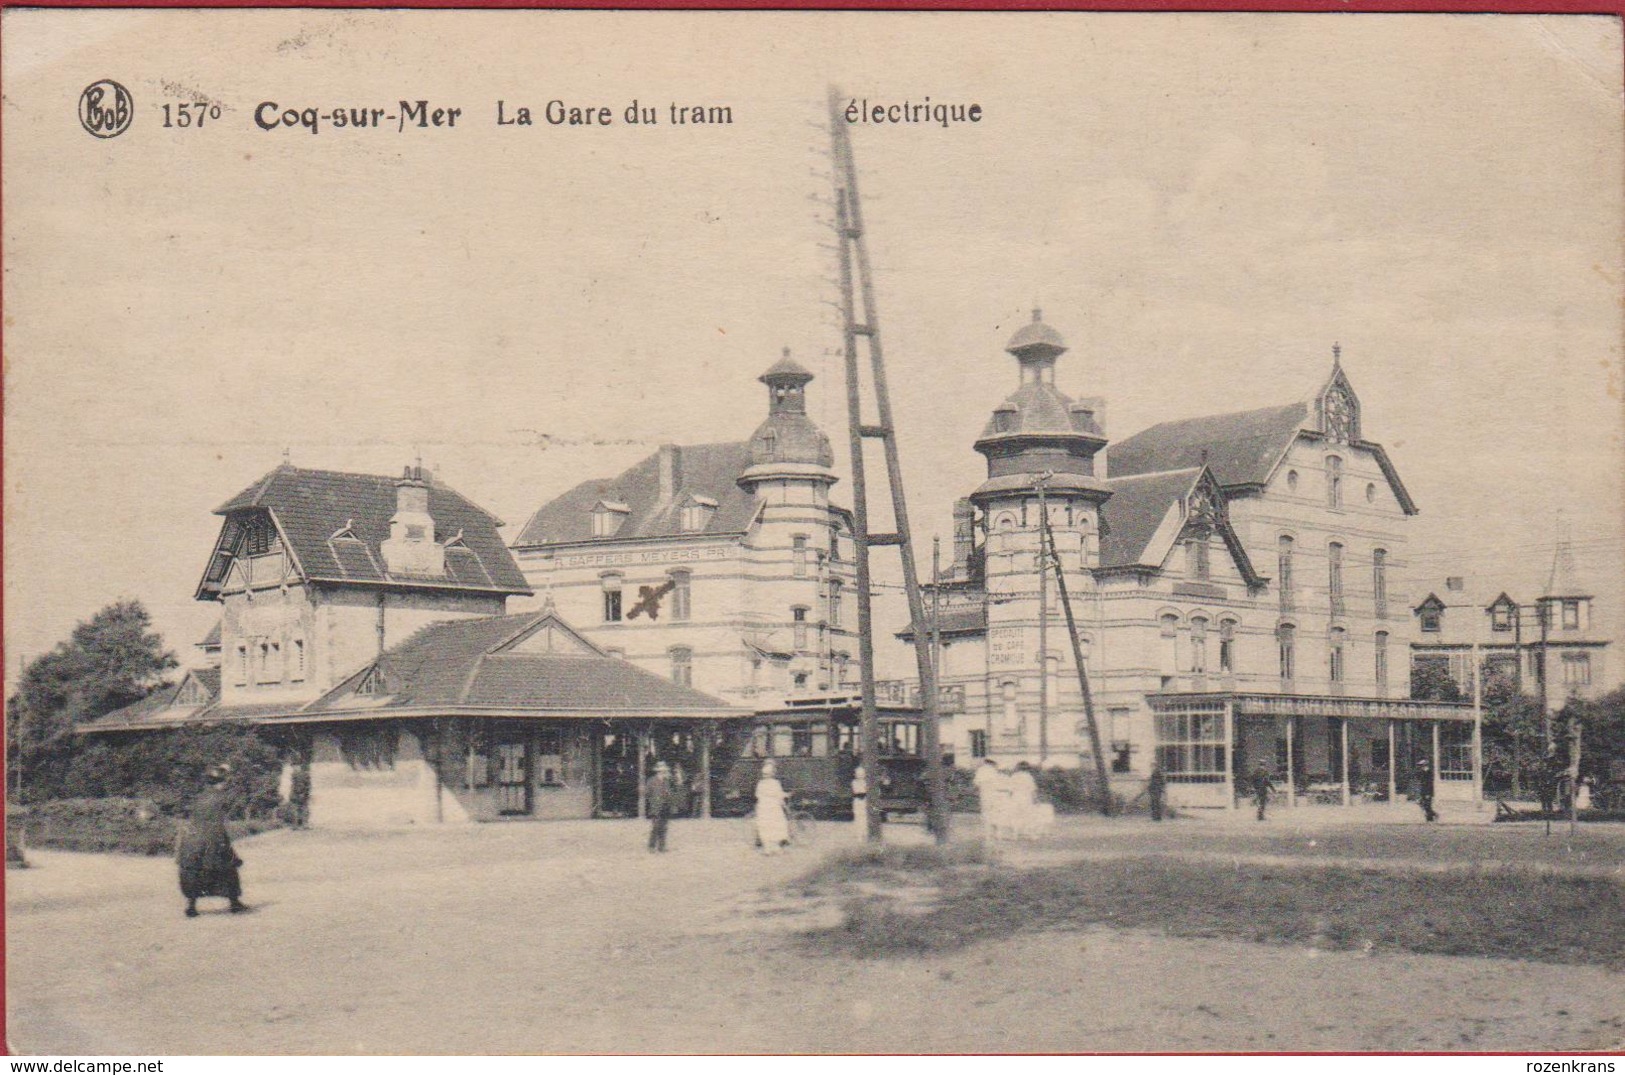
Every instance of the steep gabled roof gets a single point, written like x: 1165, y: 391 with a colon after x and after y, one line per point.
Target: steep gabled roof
x: 491, y: 662
x: 1135, y: 511
x: 708, y: 470
x: 1241, y: 448
x: 335, y: 524
x: 1140, y: 504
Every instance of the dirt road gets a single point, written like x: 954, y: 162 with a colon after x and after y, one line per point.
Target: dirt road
x: 568, y: 937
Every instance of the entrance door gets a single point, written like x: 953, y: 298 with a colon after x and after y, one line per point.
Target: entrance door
x: 513, y: 778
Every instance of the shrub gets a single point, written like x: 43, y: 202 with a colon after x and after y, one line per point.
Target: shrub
x: 124, y: 825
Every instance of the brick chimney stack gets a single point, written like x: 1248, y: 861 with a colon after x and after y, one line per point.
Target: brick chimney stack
x: 671, y: 471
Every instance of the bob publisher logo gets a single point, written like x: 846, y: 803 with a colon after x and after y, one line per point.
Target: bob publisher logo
x: 106, y: 109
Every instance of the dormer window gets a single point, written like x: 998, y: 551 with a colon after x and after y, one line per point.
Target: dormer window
x: 697, y: 514
x: 607, y: 518
x: 1501, y: 618
x: 1571, y: 615
x: 1432, y: 620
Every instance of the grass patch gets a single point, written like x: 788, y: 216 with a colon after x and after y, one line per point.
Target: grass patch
x: 1510, y: 913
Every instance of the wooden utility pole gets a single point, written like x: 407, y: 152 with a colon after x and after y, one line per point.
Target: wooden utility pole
x: 1043, y: 624
x: 857, y: 289
x: 1047, y: 549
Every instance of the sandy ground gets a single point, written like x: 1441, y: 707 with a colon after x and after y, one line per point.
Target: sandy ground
x: 569, y: 937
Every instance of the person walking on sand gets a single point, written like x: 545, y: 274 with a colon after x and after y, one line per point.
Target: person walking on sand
x: 1424, y: 789
x: 1156, y: 790
x: 772, y: 823
x: 1262, y: 786
x: 208, y: 863
x: 662, y: 798
x: 860, y: 803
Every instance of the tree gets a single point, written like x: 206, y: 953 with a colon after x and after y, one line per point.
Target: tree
x: 1603, y: 745
x: 1514, y: 735
x: 110, y: 661
x: 1433, y: 683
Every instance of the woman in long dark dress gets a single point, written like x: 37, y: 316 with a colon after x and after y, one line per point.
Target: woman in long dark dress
x: 208, y: 864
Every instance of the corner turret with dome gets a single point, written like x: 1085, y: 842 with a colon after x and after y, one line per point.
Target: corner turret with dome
x: 787, y: 443
x: 1039, y: 429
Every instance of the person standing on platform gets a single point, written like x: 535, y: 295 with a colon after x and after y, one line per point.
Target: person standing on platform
x: 1262, y: 786
x: 662, y: 798
x: 772, y: 823
x: 208, y: 863
x: 1156, y: 790
x: 1424, y: 789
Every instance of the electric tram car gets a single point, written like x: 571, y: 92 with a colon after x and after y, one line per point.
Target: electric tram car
x: 815, y: 752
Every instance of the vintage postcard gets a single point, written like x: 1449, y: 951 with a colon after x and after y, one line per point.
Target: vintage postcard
x: 812, y: 532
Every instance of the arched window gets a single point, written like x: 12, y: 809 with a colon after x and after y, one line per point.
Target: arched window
x: 1334, y: 482
x: 1227, y: 646
x: 1286, y: 642
x: 682, y: 666
x: 1334, y: 576
x: 1168, y: 629
x: 1011, y: 712
x: 612, y: 597
x: 1283, y: 570
x: 1198, y: 644
x: 835, y: 604
x: 1379, y: 582
x: 798, y: 616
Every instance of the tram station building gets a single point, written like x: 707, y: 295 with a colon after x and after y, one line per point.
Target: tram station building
x: 1235, y: 584
x: 363, y: 626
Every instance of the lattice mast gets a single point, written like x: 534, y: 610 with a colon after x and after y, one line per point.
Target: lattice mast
x: 857, y: 288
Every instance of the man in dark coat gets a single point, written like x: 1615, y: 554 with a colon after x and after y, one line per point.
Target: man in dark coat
x: 1548, y: 775
x: 1156, y: 790
x: 208, y: 863
x: 1424, y: 789
x: 662, y: 800
x: 1262, y: 786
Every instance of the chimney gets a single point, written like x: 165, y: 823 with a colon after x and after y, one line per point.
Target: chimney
x: 964, y: 536
x: 671, y: 471
x: 411, y: 548
x: 412, y: 493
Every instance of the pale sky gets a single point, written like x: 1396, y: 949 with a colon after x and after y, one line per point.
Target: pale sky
x: 1202, y: 204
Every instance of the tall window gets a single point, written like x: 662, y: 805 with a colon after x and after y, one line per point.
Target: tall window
x: 1334, y: 576
x: 1334, y: 655
x: 682, y: 666
x: 835, y: 604
x: 1197, y: 563
x: 1168, y: 628
x: 241, y: 678
x: 297, y: 661
x: 799, y: 617
x: 1286, y: 642
x: 1011, y: 712
x: 1576, y: 669
x: 612, y: 598
x: 1227, y: 645
x: 1334, y: 482
x: 680, y: 595
x: 1198, y: 644
x: 799, y: 547
x: 1379, y: 582
x: 1283, y: 570
x: 1381, y: 666
x: 1571, y: 615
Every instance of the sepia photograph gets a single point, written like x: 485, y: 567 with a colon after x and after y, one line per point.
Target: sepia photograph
x: 792, y: 532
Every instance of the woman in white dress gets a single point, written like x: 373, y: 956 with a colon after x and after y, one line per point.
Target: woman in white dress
x: 772, y: 824
x: 1023, y: 822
